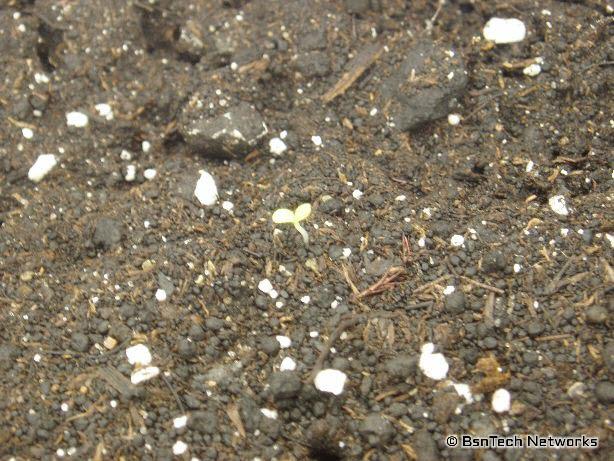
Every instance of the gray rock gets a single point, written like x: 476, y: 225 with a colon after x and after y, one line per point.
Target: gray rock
x: 196, y: 333
x: 535, y: 328
x: 269, y: 345
x: 424, y: 86
x: 376, y: 429
x: 80, y: 342
x: 186, y: 348
x: 401, y: 367
x: 214, y: 324
x: 230, y: 134
x: 357, y: 6
x: 166, y: 284
x: 597, y: 314
x: 494, y: 261
x: 455, y: 302
x: 313, y: 64
x: 604, y: 391
x: 8, y: 353
x: 204, y: 422
x: 285, y: 385
x: 108, y: 232
x: 425, y: 446
x: 490, y: 342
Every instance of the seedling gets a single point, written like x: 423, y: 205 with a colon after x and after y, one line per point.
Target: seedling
x: 285, y: 216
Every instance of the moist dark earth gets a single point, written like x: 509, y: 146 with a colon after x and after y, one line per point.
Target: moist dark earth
x: 491, y: 238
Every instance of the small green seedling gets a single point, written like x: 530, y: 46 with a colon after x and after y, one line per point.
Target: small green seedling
x: 285, y: 216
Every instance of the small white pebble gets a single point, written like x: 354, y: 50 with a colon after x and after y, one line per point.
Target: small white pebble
x: 464, y: 390
x: 180, y: 421
x: 558, y: 204
x: 532, y: 70
x: 284, y: 341
x: 454, y: 119
x: 130, y: 173
x: 144, y: 374
x: 179, y: 447
x: 146, y: 146
x: 27, y: 133
x: 39, y: 78
x: 138, y: 355
x: 125, y: 155
x: 449, y: 290
x: 277, y: 146
x: 77, y: 119
x: 529, y: 166
x: 265, y: 286
x: 43, y: 165
x: 373, y: 112
x: 317, y: 140
x: 357, y: 194
x: 271, y: 414
x: 400, y: 198
x: 113, y: 403
x: 504, y: 30
x: 104, y: 110
x: 334, y: 304
x: 206, y: 189
x: 64, y: 407
x: 287, y: 364
x: 314, y: 334
x: 228, y: 206
x: 160, y: 295
x: 433, y: 365
x: 517, y: 268
x: 305, y: 299
x: 331, y: 381
x: 37, y: 358
x: 501, y: 400
x: 150, y: 173
x: 457, y: 240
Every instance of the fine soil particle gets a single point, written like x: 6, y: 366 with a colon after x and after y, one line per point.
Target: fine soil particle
x: 461, y: 227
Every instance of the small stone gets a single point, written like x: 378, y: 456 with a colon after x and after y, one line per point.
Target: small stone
x: 80, y: 342
x: 376, y: 429
x: 443, y: 79
x: 196, y: 333
x: 186, y: 348
x: 455, y: 303
x: 535, y: 328
x: 597, y: 314
x: 401, y: 367
x: 214, y: 324
x: 604, y: 391
x: 109, y: 342
x: 504, y: 30
x: 231, y: 134
x: 285, y: 385
x: 108, y: 232
x: 424, y: 445
x: 490, y: 342
x: 576, y: 390
x: 43, y: 165
x: 269, y: 345
x: 494, y: 261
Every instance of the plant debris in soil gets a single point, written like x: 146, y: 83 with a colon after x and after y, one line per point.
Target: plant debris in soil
x: 457, y: 276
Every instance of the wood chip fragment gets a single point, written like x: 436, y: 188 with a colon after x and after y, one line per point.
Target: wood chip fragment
x: 361, y: 62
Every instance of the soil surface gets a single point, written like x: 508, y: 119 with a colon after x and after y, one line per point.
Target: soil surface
x: 488, y: 233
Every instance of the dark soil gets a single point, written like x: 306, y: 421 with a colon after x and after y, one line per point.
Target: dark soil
x: 84, y: 252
